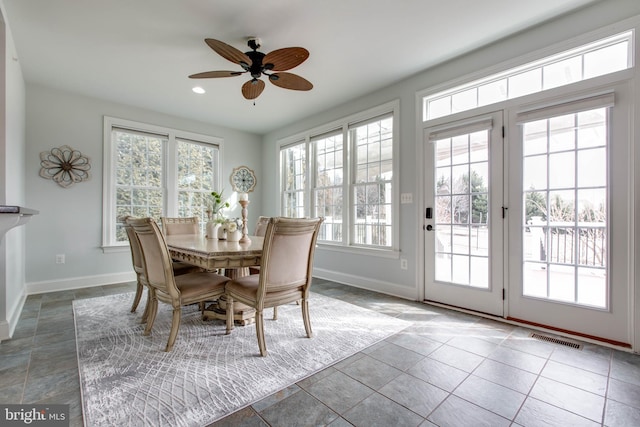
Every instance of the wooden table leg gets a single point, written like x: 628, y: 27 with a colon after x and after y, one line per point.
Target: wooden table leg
x: 242, y: 314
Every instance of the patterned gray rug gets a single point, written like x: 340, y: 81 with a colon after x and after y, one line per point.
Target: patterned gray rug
x: 128, y: 380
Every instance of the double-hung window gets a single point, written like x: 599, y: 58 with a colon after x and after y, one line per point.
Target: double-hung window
x: 343, y: 172
x: 150, y: 171
x: 372, y: 205
x: 328, y: 185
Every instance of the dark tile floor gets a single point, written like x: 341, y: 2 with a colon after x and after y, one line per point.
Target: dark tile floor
x: 447, y: 369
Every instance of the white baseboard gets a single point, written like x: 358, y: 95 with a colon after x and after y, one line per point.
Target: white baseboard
x: 383, y: 287
x: 79, y: 282
x: 9, y: 325
x: 4, y: 330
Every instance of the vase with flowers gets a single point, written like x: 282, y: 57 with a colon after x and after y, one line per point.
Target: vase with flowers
x: 214, y: 214
x: 232, y: 229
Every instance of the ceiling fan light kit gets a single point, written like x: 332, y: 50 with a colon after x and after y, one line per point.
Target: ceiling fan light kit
x: 258, y: 64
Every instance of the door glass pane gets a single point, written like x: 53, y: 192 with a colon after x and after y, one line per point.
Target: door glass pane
x: 535, y: 173
x: 565, y: 224
x: 462, y: 209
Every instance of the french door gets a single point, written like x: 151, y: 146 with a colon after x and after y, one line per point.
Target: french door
x: 535, y: 226
x: 463, y: 216
x: 569, y: 215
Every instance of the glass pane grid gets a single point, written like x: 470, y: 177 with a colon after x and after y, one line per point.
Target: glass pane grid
x: 294, y: 180
x: 196, y: 179
x: 565, y: 214
x: 591, y: 60
x: 328, y: 203
x: 372, y: 190
x: 294, y: 204
x: 139, y: 184
x: 462, y: 210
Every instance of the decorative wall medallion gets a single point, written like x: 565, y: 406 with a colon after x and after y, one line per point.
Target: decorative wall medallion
x: 243, y: 179
x: 65, y: 166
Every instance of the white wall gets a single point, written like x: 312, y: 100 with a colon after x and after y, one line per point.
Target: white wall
x: 70, y: 220
x: 385, y: 274
x: 12, y: 186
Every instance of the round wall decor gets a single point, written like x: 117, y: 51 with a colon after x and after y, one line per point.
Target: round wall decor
x: 243, y: 179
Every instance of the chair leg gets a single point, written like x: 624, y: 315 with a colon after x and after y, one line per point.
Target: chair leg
x: 275, y: 312
x: 136, y: 298
x: 260, y: 333
x: 306, y: 318
x: 229, y: 308
x: 153, y: 310
x: 145, y: 314
x: 175, y: 324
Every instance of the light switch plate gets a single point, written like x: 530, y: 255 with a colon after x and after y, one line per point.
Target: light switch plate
x: 406, y: 198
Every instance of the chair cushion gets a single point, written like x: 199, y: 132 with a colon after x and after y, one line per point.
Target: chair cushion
x: 194, y: 284
x: 247, y: 288
x: 180, y: 268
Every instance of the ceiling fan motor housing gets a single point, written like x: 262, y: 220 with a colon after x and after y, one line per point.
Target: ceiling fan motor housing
x: 256, y: 67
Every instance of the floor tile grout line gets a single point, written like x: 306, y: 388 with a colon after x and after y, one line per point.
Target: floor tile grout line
x: 33, y: 342
x: 539, y: 375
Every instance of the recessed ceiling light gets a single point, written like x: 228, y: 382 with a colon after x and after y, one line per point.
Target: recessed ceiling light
x: 198, y: 90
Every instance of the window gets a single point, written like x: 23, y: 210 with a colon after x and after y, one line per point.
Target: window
x: 601, y: 57
x: 350, y: 179
x: 152, y: 172
x: 328, y: 152
x: 197, y: 168
x: 372, y: 204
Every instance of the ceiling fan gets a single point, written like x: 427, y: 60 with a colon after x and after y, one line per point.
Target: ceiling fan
x: 257, y: 64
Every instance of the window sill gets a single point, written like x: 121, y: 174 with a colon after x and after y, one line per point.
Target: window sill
x: 360, y: 250
x: 115, y: 249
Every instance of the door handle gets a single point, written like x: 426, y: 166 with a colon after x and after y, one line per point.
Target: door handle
x: 429, y: 227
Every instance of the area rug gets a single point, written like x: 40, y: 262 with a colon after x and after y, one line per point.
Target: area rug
x: 127, y: 379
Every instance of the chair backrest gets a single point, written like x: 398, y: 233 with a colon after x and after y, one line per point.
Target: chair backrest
x: 189, y: 225
x: 261, y: 226
x: 287, y: 255
x: 155, y: 256
x: 136, y: 251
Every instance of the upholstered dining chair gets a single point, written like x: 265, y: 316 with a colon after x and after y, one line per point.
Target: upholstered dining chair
x: 141, y: 282
x: 285, y: 273
x: 163, y: 284
x: 187, y: 225
x: 260, y: 230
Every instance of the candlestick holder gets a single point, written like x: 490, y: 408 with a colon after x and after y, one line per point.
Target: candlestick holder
x: 244, y: 238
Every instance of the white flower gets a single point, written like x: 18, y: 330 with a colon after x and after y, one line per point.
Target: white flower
x: 232, y: 226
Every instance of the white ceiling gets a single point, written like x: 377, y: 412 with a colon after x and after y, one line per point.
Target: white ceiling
x: 140, y: 52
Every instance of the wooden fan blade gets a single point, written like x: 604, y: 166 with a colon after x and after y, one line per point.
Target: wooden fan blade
x: 290, y: 81
x: 214, y: 74
x: 252, y: 89
x: 285, y: 58
x: 228, y: 52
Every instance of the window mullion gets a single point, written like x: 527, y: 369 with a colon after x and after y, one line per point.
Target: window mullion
x: 348, y: 160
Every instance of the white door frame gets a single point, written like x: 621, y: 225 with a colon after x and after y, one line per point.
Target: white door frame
x: 627, y: 77
x: 484, y: 300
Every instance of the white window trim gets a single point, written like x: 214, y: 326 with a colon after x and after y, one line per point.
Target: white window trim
x: 108, y: 181
x: 629, y: 24
x: 393, y: 108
